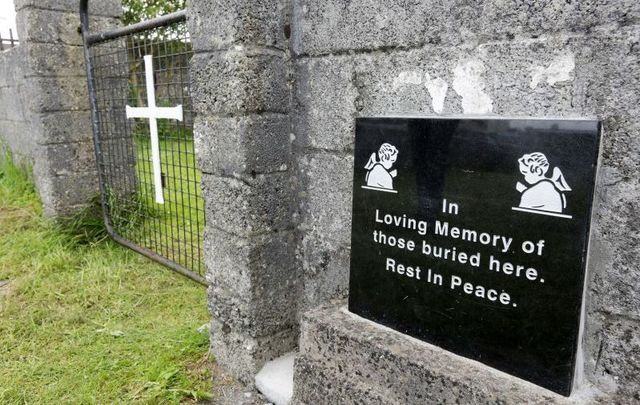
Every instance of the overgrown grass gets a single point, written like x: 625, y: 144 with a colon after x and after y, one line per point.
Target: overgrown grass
x: 83, y: 320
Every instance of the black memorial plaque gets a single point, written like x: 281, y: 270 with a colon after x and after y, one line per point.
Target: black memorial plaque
x: 472, y: 235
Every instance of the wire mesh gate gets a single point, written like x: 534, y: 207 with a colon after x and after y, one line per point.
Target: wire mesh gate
x: 142, y: 120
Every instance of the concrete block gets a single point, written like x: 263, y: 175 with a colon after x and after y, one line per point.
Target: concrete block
x: 13, y: 100
x: 64, y: 127
x: 111, y: 8
x: 408, y: 82
x: 254, y: 281
x: 614, y: 260
x: 619, y: 357
x: 326, y: 98
x: 52, y: 94
x: 243, y: 356
x: 325, y: 265
x: 15, y: 136
x: 238, y: 82
x: 248, y: 207
x: 65, y: 159
x: 63, y: 195
x: 58, y: 27
x: 328, y: 181
x: 336, y: 27
x: 11, y: 67
x: 223, y: 24
x: 340, y: 350
x: 243, y: 145
x: 57, y: 60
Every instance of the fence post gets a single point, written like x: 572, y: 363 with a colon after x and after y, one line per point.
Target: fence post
x: 242, y: 131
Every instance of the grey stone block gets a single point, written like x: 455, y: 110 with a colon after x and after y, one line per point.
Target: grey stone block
x: 243, y: 356
x: 618, y: 357
x: 65, y: 159
x: 325, y: 197
x: 328, y: 181
x: 64, y: 126
x: 53, y: 94
x: 12, y: 62
x: 48, y: 60
x: 334, y: 26
x: 63, y: 195
x: 254, y: 281
x: 221, y: 24
x: 408, y: 82
x: 243, y: 145
x: 238, y: 82
x: 344, y: 350
x: 248, y: 207
x: 326, y: 97
x: 57, y: 27
x: 112, y: 8
x: 325, y: 266
x: 12, y: 98
x: 615, y: 259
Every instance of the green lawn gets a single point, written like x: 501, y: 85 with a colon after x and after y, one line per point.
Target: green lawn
x: 83, y: 320
x: 173, y: 229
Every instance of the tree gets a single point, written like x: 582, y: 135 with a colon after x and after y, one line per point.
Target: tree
x: 141, y: 10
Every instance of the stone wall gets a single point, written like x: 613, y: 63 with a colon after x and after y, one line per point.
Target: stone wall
x: 14, y: 125
x: 44, y: 105
x: 432, y: 57
x: 277, y: 86
x: 241, y: 93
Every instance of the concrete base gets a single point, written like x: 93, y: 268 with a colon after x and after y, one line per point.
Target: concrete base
x: 347, y: 359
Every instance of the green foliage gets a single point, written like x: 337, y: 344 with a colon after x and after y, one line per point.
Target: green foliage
x: 141, y: 10
x: 84, y: 320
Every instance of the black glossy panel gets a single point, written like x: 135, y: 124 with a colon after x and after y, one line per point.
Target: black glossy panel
x: 501, y: 280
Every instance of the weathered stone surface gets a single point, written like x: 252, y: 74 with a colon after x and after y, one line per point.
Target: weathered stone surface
x: 336, y: 346
x: 51, y: 94
x: 254, y: 281
x: 243, y: 145
x: 248, y: 207
x: 325, y: 199
x: 326, y: 97
x: 38, y: 26
x: 334, y: 26
x: 65, y: 159
x: 239, y: 82
x: 57, y: 60
x: 242, y: 355
x: 64, y: 126
x: 327, y: 195
x: 112, y: 8
x: 63, y: 195
x: 43, y: 95
x: 221, y: 24
x: 11, y: 65
x: 326, y: 271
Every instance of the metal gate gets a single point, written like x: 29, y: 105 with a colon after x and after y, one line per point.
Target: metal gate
x: 142, y: 119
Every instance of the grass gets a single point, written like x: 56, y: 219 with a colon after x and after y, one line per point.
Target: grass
x: 84, y: 320
x: 173, y: 229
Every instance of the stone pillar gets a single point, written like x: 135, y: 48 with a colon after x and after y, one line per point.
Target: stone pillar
x: 241, y: 96
x: 57, y: 104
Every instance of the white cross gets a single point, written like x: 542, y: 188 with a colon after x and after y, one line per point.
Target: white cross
x: 153, y: 113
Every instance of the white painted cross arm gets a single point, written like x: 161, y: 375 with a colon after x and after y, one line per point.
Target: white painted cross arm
x: 170, y: 113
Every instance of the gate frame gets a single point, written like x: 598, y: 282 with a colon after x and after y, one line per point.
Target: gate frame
x: 89, y: 39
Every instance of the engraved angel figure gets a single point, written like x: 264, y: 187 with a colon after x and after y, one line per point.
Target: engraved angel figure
x: 379, y: 176
x: 542, y: 193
